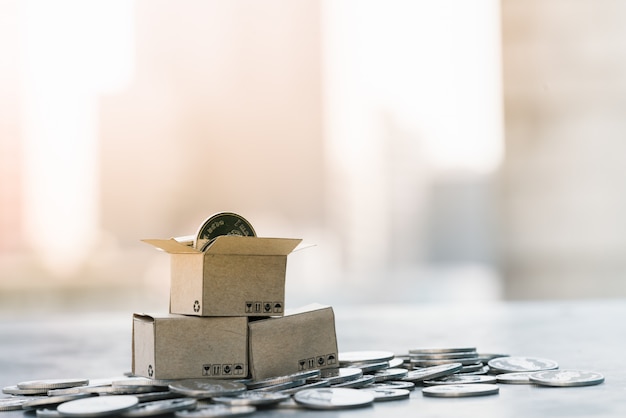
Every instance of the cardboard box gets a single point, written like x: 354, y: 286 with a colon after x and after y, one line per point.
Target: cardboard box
x: 169, y: 346
x: 235, y: 276
x: 302, y: 339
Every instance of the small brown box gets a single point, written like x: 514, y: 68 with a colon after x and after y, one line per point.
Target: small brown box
x: 302, y: 339
x: 169, y: 346
x: 235, y: 276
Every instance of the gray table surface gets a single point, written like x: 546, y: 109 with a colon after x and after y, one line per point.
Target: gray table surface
x: 588, y: 335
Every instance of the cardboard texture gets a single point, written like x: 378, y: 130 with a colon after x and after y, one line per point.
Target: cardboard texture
x: 300, y: 340
x: 235, y: 276
x: 169, y: 346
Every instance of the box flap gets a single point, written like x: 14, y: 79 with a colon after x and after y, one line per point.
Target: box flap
x: 171, y: 246
x: 234, y: 244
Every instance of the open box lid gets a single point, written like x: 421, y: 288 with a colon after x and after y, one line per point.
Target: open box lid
x: 232, y: 245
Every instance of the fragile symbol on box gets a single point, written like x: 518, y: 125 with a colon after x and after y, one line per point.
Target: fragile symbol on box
x: 222, y: 369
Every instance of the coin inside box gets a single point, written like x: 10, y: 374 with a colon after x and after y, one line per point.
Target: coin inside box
x: 234, y: 276
x: 170, y: 346
x: 302, y: 339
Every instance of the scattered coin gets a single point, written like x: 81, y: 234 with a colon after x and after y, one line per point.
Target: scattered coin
x: 97, y: 406
x: 382, y: 394
x: 282, y: 386
x: 517, y: 378
x: 370, y: 367
x: 217, y: 410
x: 350, y: 357
x: 459, y: 391
x: 390, y: 374
x: 363, y: 381
x: 14, y: 390
x: 392, y: 384
x: 433, y: 372
x: 521, y: 364
x: 340, y: 375
x: 333, y: 398
x: 395, y: 362
x: 442, y: 350
x: 154, y: 408
x: 309, y: 385
x: 458, y: 379
x: 428, y: 363
x: 444, y: 356
x: 566, y: 378
x: 52, y: 384
x: 271, y: 381
x: 53, y: 400
x: 206, y: 388
x: 253, y: 398
x: 223, y: 223
x: 141, y: 381
x: 12, y: 404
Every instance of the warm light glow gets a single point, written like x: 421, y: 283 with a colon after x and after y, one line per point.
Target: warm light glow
x: 72, y: 52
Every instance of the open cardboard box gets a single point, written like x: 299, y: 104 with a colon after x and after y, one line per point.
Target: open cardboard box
x: 302, y: 339
x: 169, y: 346
x: 234, y: 276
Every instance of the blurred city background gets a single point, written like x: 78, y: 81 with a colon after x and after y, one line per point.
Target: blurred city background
x: 449, y: 151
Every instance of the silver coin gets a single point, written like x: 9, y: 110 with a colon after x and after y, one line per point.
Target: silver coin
x: 445, y: 356
x: 206, y: 388
x: 342, y: 374
x: 442, y: 350
x: 53, y: 400
x: 98, y: 406
x: 157, y: 396
x: 518, y: 378
x: 370, y: 367
x: 120, y: 390
x: 471, y: 368
x: 282, y: 386
x: 433, y: 372
x: 308, y: 385
x: 566, y: 378
x: 382, y: 394
x: 396, y: 362
x: 154, y: 408
x: 393, y: 384
x: 485, y: 357
x: 14, y: 390
x: 12, y: 404
x: 254, y: 398
x: 52, y: 383
x: 363, y: 381
x: 217, y: 410
x: 428, y: 363
x: 459, y: 391
x: 333, y: 398
x: 521, y: 364
x: 142, y: 381
x: 271, y: 381
x: 459, y: 379
x: 349, y: 357
x: 390, y: 374
x: 223, y: 223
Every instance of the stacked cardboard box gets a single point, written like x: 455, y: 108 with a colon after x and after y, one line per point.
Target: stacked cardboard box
x: 227, y: 318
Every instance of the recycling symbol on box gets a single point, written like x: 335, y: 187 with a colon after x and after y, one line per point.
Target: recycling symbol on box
x: 150, y: 370
x: 196, y: 306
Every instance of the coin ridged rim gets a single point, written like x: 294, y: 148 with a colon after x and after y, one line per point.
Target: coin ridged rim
x: 432, y: 372
x: 442, y: 350
x: 14, y: 390
x: 48, y: 384
x: 253, y: 397
x: 12, y: 404
x: 390, y: 374
x: 361, y: 382
x: 340, y: 375
x: 516, y: 378
x: 206, y: 388
x: 53, y: 400
x: 547, y: 378
x: 507, y: 364
x: 333, y: 398
x: 462, y: 379
x: 461, y: 391
x: 393, y: 384
x: 271, y: 381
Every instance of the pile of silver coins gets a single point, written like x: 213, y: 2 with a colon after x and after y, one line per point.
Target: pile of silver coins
x: 364, y: 377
